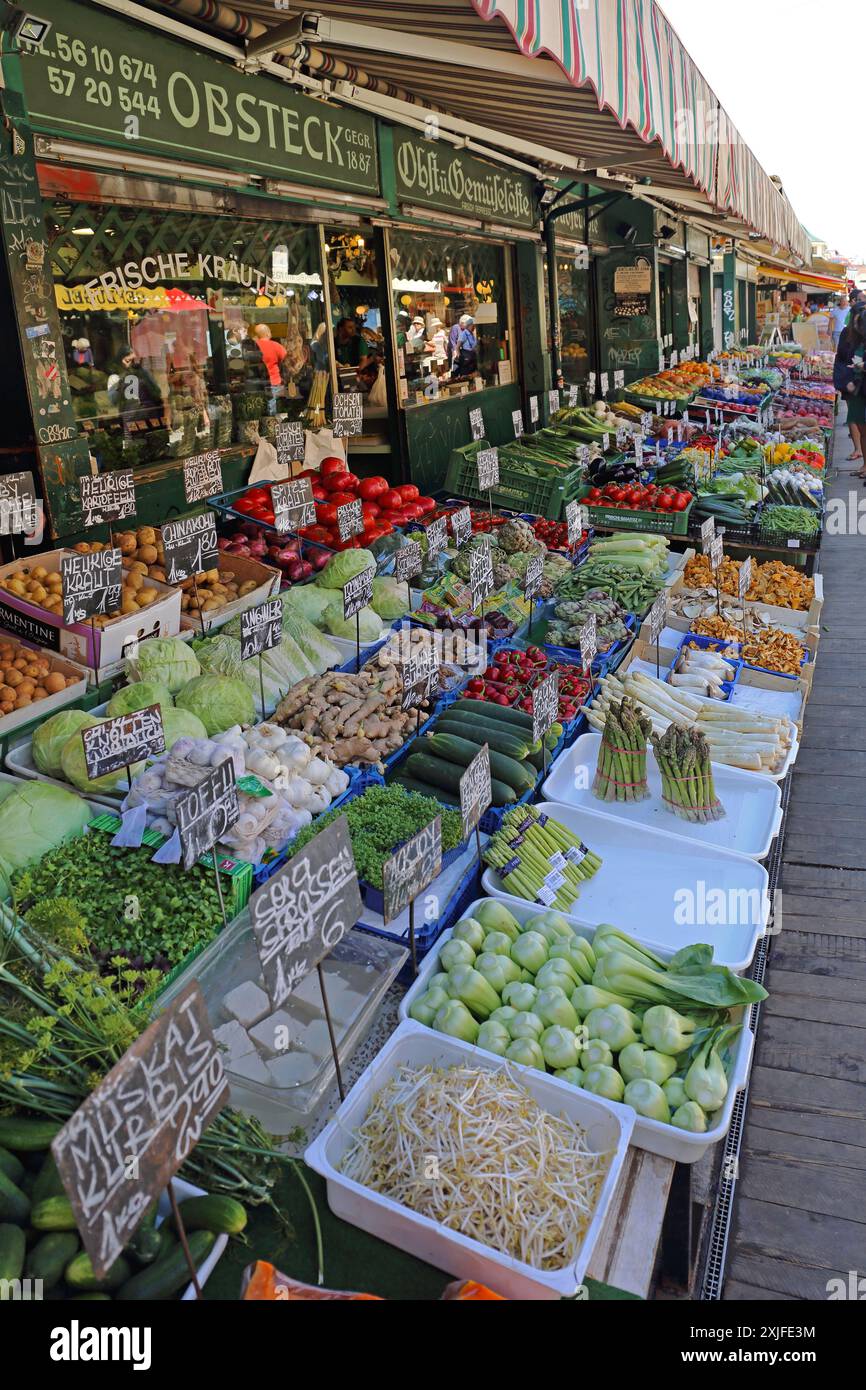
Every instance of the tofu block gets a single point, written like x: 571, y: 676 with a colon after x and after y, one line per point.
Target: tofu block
x: 293, y: 1069
x: 235, y: 1040
x: 313, y: 1037
x: 273, y: 1034
x: 247, y: 1003
x: 251, y: 1068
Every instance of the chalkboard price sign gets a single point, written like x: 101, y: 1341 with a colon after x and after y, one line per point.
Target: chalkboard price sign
x: 553, y: 402
x: 350, y: 519
x: 19, y: 509
x: 261, y: 628
x: 190, y: 546
x: 293, y: 504
x: 408, y: 561
x: 488, y: 469
x: 716, y: 552
x: 461, y: 525
x: 107, y: 497
x: 305, y: 910
x: 348, y: 413
x: 126, y: 1141
x: 437, y: 536
x: 480, y: 574
x: 358, y: 592
x: 91, y: 584
x: 517, y: 423
x: 588, y: 641
x: 206, y: 812
x: 534, y: 576
x: 708, y: 531
x: 745, y: 577
x: 289, y: 442
x: 658, y: 615
x: 118, y: 743
x: 411, y: 869
x: 202, y: 476
x: 545, y: 705
x: 475, y: 790
x: 476, y: 422
x: 420, y: 674
x: 576, y: 517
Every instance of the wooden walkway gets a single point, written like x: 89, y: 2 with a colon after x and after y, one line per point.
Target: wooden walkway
x: 800, y: 1203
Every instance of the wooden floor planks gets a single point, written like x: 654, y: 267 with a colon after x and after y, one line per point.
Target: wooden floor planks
x: 800, y: 1203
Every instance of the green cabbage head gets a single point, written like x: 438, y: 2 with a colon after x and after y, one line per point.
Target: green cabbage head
x: 35, y: 819
x: 138, y: 696
x: 74, y: 768
x: 218, y: 701
x: 167, y: 660
x: 51, y: 738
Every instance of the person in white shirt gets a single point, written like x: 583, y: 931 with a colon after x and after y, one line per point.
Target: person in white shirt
x: 438, y: 340
x: 838, y: 318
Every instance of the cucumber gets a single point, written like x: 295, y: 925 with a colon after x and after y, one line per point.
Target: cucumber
x: 26, y: 1135
x: 53, y: 1214
x: 482, y: 731
x: 11, y: 1166
x: 169, y: 1274
x: 79, y: 1275
x: 411, y: 784
x: 462, y: 751
x: 14, y: 1204
x: 145, y: 1244
x: 222, y: 1215
x: 11, y: 1255
x: 50, y: 1256
x: 431, y: 769
x: 518, y: 717
x: 48, y: 1181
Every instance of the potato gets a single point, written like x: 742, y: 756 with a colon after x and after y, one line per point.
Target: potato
x: 157, y: 572
x: 146, y: 596
x: 14, y: 677
x: 7, y: 706
x: 22, y: 701
x: 247, y: 587
x: 138, y: 565
x: 227, y: 576
x: 127, y: 542
x: 128, y: 604
x: 147, y: 554
x: 16, y: 586
x: 82, y: 548
x: 39, y: 572
x: 146, y: 535
x: 134, y: 581
x: 212, y: 575
x: 54, y: 581
x: 210, y: 605
x: 33, y: 669
x: 40, y: 693
x: 7, y: 694
x: 72, y: 680
x: 54, y: 683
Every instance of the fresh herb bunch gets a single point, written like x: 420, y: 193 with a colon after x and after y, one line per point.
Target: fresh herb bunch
x: 122, y: 904
x: 381, y: 819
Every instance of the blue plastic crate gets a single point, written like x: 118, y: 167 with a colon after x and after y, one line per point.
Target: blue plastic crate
x: 428, y: 933
x: 360, y: 778
x: 717, y: 644
x: 711, y: 644
x: 603, y: 661
x: 374, y: 897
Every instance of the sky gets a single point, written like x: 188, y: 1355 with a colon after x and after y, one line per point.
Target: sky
x: 792, y: 77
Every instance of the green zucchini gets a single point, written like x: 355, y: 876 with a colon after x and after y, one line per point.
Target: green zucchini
x: 518, y: 717
x: 169, y: 1274
x: 26, y: 1135
x: 431, y: 770
x: 53, y: 1214
x: 11, y: 1256
x: 462, y: 751
x: 223, y: 1215
x: 14, y: 1204
x: 50, y: 1256
x: 11, y: 1166
x: 522, y: 736
x: 79, y: 1275
x: 144, y: 1245
x: 48, y: 1181
x: 482, y: 731
x: 411, y: 784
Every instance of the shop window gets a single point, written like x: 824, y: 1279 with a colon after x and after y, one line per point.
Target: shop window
x: 572, y: 280
x: 357, y: 311
x: 184, y: 333
x: 450, y: 303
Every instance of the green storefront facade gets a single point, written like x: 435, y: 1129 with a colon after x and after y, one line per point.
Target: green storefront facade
x: 167, y: 218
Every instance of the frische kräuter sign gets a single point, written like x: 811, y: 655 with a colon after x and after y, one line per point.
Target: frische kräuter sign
x: 91, y: 584
x: 300, y: 914
x: 190, y: 546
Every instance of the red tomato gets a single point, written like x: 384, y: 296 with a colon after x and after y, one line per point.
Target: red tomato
x: 332, y: 465
x: 426, y: 504
x: 259, y: 494
x: 340, y: 499
x: 350, y: 481
x: 326, y: 513
x: 398, y: 517
x: 408, y: 491
x: 681, y: 501
x: 317, y: 533
x: 371, y: 488
x: 309, y: 473
x: 352, y: 544
x: 319, y: 493
x: 413, y: 511
x: 369, y: 509
x: 391, y: 499
x: 243, y: 504
x: 384, y: 527
x: 337, y: 482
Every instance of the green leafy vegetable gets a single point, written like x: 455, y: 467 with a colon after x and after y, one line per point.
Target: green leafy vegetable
x: 166, y: 660
x: 50, y: 738
x: 218, y: 701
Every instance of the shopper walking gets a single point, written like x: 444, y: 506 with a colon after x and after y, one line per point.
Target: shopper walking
x: 274, y: 355
x: 850, y: 381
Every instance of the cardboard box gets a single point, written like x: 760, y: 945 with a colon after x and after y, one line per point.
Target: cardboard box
x: 85, y: 643
x: 805, y: 621
x: 267, y: 584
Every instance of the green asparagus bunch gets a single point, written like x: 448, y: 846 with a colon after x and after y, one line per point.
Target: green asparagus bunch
x: 683, y: 756
x: 539, y: 858
x: 620, y: 774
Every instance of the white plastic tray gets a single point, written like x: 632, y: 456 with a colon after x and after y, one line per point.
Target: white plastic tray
x: 753, y: 804
x: 182, y: 1191
x: 661, y: 889
x: 608, y: 1127
x: 652, y: 1135
x: 19, y: 761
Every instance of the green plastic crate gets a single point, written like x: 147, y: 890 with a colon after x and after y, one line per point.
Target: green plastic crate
x: 517, y: 491
x: 621, y: 519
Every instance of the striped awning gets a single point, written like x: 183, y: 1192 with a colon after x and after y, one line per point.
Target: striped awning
x: 830, y: 283
x: 605, y: 82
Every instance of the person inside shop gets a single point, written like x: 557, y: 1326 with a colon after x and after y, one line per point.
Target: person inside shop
x: 849, y: 379
x: 437, y: 341
x: 274, y: 355
x: 417, y: 335
x: 456, y: 329
x: 465, y: 361
x: 347, y: 343
x: 319, y: 349
x: 402, y: 324
x: 838, y: 319
x: 132, y: 390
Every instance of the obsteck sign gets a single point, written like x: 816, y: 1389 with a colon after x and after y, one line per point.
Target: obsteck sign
x: 127, y: 1140
x: 301, y: 914
x: 475, y: 790
x: 206, y: 812
x: 261, y: 628
x: 411, y: 869
x: 117, y: 743
x: 91, y: 584
x: 190, y: 546
x: 358, y: 592
x: 202, y: 476
x: 107, y: 497
x: 545, y: 706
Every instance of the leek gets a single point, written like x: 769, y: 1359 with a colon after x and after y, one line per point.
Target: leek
x: 559, y: 1046
x: 553, y: 1007
x: 604, y: 1081
x: 455, y: 1019
x: 648, y: 1098
x: 614, y: 1025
